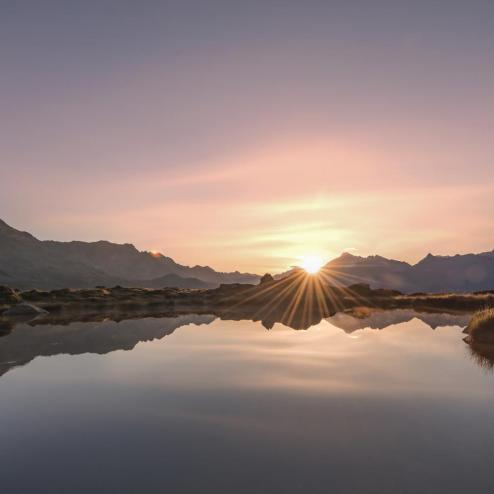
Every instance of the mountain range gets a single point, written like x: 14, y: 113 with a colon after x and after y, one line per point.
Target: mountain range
x: 26, y: 262
x: 458, y: 273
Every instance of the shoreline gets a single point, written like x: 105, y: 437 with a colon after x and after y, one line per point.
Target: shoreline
x: 299, y: 301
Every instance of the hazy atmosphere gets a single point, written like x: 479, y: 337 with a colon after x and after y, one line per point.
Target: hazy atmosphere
x: 244, y: 135
x: 247, y: 246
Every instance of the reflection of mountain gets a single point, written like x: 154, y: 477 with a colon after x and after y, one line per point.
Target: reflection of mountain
x: 22, y: 342
x: 26, y: 342
x: 26, y: 262
x: 362, y: 318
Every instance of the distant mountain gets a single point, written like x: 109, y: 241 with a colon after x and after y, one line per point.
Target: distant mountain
x: 351, y: 321
x: 378, y: 271
x: 172, y: 280
x: 26, y: 262
x: 469, y: 272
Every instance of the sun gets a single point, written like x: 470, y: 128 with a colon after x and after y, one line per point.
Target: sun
x: 312, y: 264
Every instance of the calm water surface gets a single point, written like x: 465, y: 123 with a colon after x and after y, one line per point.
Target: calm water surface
x: 195, y: 404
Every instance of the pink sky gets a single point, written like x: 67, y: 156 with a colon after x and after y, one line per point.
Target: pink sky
x: 247, y: 137
x: 263, y: 211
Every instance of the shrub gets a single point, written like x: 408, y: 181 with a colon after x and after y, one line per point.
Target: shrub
x: 481, y: 326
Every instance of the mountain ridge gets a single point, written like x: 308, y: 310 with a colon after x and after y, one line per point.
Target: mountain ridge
x: 27, y: 262
x: 432, y: 273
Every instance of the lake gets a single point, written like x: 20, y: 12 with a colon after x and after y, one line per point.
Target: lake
x: 387, y: 402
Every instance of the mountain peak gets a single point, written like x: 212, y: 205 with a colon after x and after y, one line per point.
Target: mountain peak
x: 10, y: 232
x: 347, y: 255
x: 31, y: 263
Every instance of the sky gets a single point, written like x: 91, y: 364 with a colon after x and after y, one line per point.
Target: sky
x: 248, y: 134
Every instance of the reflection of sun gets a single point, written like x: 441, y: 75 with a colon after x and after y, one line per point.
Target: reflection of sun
x: 312, y: 264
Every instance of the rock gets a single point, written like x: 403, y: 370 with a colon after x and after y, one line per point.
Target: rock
x: 267, y: 278
x: 24, y: 309
x: 9, y: 296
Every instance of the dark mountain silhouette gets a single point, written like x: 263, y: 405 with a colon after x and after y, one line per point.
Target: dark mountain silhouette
x: 459, y: 273
x: 377, y: 271
x: 171, y: 280
x: 28, y: 342
x: 467, y: 272
x: 26, y: 262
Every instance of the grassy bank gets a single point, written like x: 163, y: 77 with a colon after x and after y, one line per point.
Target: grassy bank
x: 481, y: 327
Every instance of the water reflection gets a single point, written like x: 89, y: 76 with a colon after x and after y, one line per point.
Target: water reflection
x: 364, y: 317
x: 22, y: 341
x: 33, y: 339
x: 206, y: 405
x: 482, y: 354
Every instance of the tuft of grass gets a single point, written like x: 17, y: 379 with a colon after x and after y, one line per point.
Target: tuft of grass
x: 482, y: 354
x: 481, y: 326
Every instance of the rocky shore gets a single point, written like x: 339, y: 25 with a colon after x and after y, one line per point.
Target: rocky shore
x: 299, y: 300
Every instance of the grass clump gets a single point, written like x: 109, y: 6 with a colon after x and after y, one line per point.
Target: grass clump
x: 481, y: 326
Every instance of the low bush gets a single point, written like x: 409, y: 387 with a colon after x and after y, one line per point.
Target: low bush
x: 481, y: 326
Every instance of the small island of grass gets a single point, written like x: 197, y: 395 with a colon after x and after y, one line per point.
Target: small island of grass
x: 481, y: 327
